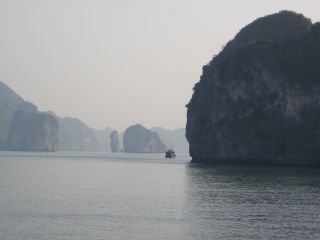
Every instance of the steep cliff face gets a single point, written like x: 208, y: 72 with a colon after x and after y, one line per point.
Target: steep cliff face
x: 33, y: 131
x: 9, y: 103
x: 173, y: 138
x: 74, y: 135
x: 138, y: 139
x: 22, y: 127
x: 258, y: 101
x: 114, y: 141
x: 103, y: 138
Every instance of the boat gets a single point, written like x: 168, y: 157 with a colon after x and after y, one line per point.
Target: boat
x: 170, y: 153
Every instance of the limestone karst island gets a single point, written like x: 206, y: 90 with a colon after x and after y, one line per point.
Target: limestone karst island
x: 258, y: 100
x: 24, y: 128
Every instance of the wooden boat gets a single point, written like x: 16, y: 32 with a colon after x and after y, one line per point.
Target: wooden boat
x: 170, y: 154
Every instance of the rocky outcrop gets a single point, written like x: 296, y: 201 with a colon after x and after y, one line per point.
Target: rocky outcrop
x: 74, y: 135
x: 9, y: 103
x: 175, y: 138
x: 33, y: 131
x: 138, y: 139
x: 103, y: 138
x: 22, y: 126
x: 258, y: 101
x: 114, y: 141
x: 40, y: 130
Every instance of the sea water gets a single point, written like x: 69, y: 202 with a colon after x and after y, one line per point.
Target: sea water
x: 82, y: 196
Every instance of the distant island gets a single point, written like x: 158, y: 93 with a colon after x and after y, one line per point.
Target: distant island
x: 24, y: 128
x: 258, y: 100
x: 138, y: 139
x: 175, y: 138
x: 115, y: 141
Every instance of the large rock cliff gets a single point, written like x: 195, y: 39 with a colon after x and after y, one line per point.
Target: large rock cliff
x: 258, y: 101
x: 9, y: 103
x: 22, y: 126
x: 175, y: 138
x: 33, y: 131
x: 138, y: 139
x: 103, y: 139
x: 74, y: 135
x: 114, y: 141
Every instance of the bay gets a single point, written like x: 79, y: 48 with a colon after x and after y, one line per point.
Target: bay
x: 78, y: 196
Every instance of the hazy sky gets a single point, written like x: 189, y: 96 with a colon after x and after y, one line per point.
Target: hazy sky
x: 116, y: 63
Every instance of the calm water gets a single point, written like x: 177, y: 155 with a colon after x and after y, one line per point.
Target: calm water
x: 77, y: 196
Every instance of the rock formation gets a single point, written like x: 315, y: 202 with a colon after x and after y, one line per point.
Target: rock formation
x: 22, y: 126
x: 33, y: 131
x: 138, y: 139
x: 40, y: 133
x: 258, y: 101
x: 175, y: 138
x: 9, y: 103
x: 114, y: 141
x: 74, y: 135
x: 103, y: 138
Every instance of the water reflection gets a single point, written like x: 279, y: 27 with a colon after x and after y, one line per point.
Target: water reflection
x: 236, y: 202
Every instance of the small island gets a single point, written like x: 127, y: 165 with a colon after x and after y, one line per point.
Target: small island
x: 138, y: 139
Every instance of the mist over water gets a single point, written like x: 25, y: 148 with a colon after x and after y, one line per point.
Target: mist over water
x: 139, y: 196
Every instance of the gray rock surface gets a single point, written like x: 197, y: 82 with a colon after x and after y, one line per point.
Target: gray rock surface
x: 114, y: 141
x: 258, y: 101
x: 74, y: 135
x: 103, y: 138
x: 22, y: 126
x: 138, y: 139
x: 175, y: 138
x: 9, y: 103
x: 32, y: 131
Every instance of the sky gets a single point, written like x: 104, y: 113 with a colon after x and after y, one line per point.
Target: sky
x: 114, y: 63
